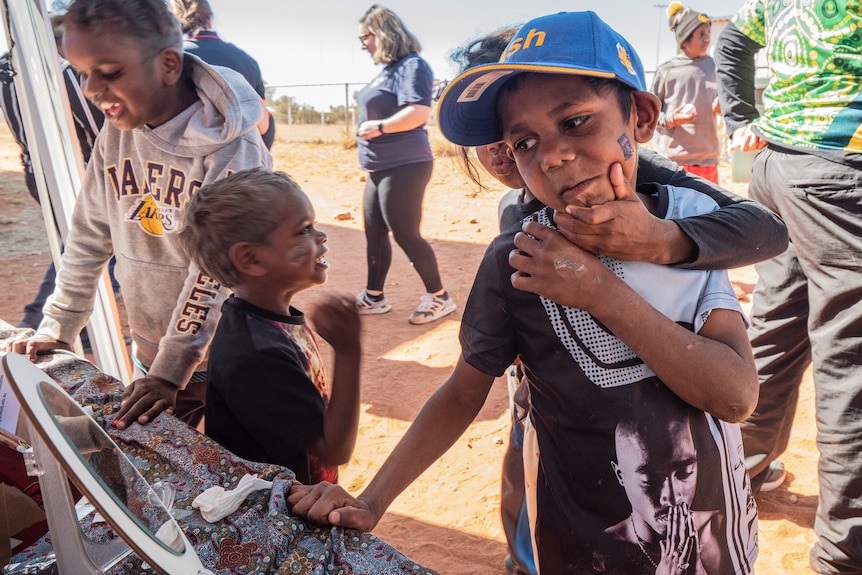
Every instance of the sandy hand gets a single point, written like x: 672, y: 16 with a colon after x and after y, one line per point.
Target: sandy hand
x: 328, y: 504
x: 144, y: 400
x: 546, y: 263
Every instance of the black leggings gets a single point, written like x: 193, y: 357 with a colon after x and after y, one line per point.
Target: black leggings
x: 393, y: 203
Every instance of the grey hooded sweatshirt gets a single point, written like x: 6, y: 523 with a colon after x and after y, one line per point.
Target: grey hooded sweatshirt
x: 681, y: 81
x: 131, y: 204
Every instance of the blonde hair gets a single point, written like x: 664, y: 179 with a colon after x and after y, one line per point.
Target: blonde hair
x: 194, y: 15
x: 246, y: 206
x: 394, y: 40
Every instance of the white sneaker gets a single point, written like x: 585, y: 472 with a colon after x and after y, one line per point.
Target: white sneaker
x: 367, y: 306
x: 432, y: 308
x: 775, y: 476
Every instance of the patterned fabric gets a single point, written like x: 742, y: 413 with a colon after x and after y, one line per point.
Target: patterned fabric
x: 814, y: 102
x: 261, y: 537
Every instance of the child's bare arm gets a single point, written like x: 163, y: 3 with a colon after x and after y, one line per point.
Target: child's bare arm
x: 336, y: 320
x: 713, y: 370
x: 444, y: 417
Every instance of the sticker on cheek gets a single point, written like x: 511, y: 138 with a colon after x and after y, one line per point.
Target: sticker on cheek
x: 626, y: 146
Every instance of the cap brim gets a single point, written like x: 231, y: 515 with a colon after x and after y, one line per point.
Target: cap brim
x: 467, y: 112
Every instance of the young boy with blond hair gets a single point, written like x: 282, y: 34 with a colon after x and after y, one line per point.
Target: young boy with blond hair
x: 173, y: 124
x: 268, y: 398
x: 597, y: 336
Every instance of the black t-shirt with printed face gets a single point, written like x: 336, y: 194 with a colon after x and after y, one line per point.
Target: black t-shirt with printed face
x: 586, y: 388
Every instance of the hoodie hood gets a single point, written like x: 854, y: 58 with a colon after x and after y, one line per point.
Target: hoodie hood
x: 228, y: 108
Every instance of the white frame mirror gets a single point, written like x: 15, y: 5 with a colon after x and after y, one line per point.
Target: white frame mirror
x: 68, y: 444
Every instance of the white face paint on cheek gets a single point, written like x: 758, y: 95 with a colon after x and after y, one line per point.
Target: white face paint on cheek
x: 298, y: 254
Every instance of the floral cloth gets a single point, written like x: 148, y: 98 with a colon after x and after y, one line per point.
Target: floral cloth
x: 261, y: 537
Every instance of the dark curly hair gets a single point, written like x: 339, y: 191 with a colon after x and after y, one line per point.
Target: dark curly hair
x: 147, y: 20
x: 485, y: 50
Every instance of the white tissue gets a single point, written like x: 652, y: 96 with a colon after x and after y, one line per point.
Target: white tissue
x: 215, y: 503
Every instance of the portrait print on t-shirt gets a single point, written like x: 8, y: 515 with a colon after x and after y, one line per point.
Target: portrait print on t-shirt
x: 629, y: 478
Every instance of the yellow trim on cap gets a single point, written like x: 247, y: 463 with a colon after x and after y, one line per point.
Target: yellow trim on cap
x: 522, y: 68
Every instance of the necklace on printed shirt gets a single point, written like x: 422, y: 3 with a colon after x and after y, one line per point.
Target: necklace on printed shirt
x: 641, y: 543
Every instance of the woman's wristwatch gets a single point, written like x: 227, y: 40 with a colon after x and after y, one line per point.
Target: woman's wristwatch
x: 380, y: 127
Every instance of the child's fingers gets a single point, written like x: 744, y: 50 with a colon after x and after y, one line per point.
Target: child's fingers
x: 623, y: 189
x: 317, y: 503
x: 533, y: 232
x: 352, y: 517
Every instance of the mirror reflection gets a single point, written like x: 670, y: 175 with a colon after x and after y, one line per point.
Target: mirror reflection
x: 113, y: 469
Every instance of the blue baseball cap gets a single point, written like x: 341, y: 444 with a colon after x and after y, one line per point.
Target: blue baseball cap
x: 578, y: 43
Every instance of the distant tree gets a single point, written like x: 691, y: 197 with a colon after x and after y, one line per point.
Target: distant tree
x: 341, y: 115
x: 287, y: 110
x: 280, y: 108
x: 306, y: 114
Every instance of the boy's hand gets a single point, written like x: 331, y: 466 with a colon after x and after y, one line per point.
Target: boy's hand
x: 145, y: 399
x: 684, y: 114
x: 623, y: 229
x: 547, y: 264
x: 34, y: 345
x: 328, y: 504
x: 336, y: 320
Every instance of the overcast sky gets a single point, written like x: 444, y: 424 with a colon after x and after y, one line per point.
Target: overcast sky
x: 315, y: 41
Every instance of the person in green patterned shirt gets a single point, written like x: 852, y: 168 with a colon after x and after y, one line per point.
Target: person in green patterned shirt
x: 805, y: 306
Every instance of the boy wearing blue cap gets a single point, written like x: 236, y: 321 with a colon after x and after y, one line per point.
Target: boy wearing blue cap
x: 636, y: 371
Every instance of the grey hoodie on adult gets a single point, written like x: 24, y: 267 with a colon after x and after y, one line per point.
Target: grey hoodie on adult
x: 131, y: 204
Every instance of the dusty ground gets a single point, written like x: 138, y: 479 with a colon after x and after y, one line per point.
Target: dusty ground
x: 449, y: 518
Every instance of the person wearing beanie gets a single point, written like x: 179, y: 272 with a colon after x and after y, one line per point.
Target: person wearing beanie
x: 686, y: 85
x: 684, y: 21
